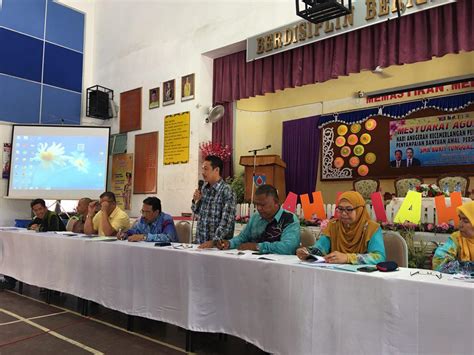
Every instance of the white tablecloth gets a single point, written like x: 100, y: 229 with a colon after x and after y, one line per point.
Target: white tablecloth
x: 280, y: 306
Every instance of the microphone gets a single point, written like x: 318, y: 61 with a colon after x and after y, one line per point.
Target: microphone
x: 258, y: 150
x: 200, y: 185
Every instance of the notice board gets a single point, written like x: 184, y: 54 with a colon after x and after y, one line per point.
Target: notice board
x: 146, y: 163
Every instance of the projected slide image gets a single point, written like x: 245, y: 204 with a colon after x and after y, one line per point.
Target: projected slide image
x: 59, y: 162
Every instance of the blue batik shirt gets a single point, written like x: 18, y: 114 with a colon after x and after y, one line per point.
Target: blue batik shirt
x: 281, y: 235
x: 160, y: 230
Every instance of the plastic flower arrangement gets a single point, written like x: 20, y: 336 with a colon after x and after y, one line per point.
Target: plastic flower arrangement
x: 314, y: 222
x: 429, y: 190
x: 217, y: 149
x: 422, y: 227
x: 242, y: 219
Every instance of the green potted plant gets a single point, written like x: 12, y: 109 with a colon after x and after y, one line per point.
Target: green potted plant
x: 237, y: 184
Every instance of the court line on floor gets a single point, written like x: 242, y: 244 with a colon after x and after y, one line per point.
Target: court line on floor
x: 32, y: 318
x: 52, y: 332
x: 170, y: 346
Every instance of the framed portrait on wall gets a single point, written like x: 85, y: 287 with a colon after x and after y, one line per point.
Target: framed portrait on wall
x: 168, y: 92
x: 187, y: 87
x: 154, y: 98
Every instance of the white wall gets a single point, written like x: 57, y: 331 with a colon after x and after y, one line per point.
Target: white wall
x: 141, y: 43
x: 10, y: 209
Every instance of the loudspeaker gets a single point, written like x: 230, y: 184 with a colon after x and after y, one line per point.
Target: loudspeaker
x: 98, y: 99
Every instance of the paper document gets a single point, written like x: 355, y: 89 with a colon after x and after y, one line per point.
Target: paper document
x: 9, y: 228
x: 241, y: 253
x: 69, y: 234
x: 463, y: 277
x: 341, y: 267
x: 102, y: 239
x: 183, y: 246
x: 314, y: 259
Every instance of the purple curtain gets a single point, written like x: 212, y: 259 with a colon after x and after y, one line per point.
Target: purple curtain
x: 410, y: 39
x: 222, y: 132
x: 301, y: 154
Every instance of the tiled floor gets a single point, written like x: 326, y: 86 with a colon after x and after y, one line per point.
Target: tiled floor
x: 28, y: 325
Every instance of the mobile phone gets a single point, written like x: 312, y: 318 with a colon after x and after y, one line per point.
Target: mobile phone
x: 367, y: 269
x: 162, y: 244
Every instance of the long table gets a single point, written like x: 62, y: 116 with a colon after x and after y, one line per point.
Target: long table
x: 281, y: 306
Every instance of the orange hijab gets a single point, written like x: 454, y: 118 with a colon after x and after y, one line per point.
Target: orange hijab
x: 466, y: 244
x: 352, y: 238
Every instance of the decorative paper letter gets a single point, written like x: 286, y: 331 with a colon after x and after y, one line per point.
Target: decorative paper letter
x: 338, y: 197
x: 317, y: 207
x: 377, y: 203
x: 410, y: 209
x: 290, y: 202
x: 444, y: 213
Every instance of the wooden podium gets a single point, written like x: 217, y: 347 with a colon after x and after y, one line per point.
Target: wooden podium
x: 269, y: 165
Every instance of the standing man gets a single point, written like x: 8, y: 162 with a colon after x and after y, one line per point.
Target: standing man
x: 45, y: 220
x: 109, y: 220
x: 153, y: 226
x: 76, y: 223
x: 214, y: 205
x: 270, y: 231
x: 411, y: 161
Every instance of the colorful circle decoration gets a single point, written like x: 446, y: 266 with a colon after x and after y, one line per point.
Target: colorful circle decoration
x: 342, y: 130
x: 354, y: 162
x: 359, y: 150
x: 370, y: 158
x: 363, y: 170
x: 352, y: 139
x: 340, y: 141
x: 365, y: 138
x: 345, y: 151
x: 370, y: 124
x: 338, y: 163
x: 355, y: 128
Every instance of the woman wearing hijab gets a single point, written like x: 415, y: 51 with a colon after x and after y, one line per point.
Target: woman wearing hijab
x: 457, y: 254
x: 352, y: 238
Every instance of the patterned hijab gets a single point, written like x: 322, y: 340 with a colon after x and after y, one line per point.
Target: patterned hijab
x: 466, y: 244
x: 352, y: 238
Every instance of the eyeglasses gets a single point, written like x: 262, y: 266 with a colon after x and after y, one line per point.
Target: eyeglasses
x: 145, y: 212
x: 347, y: 209
x: 430, y: 273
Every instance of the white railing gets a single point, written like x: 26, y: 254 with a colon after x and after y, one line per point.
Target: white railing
x: 428, y: 214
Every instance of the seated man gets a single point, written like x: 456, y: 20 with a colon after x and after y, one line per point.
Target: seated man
x: 270, y: 231
x: 153, y: 226
x: 76, y: 223
x: 45, y: 220
x: 109, y: 220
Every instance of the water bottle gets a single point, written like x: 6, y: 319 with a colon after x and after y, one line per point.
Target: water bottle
x: 446, y: 188
x: 457, y: 188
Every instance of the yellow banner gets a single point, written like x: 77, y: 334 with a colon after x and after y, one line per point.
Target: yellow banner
x: 176, y: 138
x: 122, y: 167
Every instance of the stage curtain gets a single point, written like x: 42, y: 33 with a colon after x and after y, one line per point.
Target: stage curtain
x: 222, y: 132
x: 301, y: 154
x: 410, y: 39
